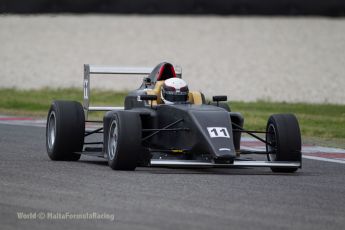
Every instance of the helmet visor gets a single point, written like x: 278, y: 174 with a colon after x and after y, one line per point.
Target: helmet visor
x: 176, y: 97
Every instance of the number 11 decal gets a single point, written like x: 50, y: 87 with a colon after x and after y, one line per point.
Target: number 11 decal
x: 218, y: 132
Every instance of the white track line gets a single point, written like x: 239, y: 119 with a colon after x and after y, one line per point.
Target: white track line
x: 324, y: 159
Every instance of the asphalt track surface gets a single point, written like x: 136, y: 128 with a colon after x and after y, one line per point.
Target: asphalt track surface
x: 159, y: 198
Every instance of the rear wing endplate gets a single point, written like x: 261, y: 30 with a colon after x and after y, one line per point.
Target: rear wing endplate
x: 94, y: 69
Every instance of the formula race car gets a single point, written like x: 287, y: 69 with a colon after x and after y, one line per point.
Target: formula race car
x: 165, y: 124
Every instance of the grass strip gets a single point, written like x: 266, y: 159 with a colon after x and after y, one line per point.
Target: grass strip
x: 319, y: 122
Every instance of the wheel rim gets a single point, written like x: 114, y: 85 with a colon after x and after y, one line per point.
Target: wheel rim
x: 51, y: 130
x: 272, y: 139
x: 112, y: 140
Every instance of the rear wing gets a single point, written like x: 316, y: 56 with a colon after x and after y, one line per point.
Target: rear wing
x: 94, y: 69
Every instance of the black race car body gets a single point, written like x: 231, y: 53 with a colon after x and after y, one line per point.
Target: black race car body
x: 187, y: 128
x: 147, y: 132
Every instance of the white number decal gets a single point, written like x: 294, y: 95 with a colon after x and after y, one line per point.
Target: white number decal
x: 218, y: 132
x: 86, y: 96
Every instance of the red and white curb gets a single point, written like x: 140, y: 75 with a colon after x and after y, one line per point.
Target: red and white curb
x: 25, y: 121
x: 29, y: 121
x: 312, y: 152
x: 335, y: 155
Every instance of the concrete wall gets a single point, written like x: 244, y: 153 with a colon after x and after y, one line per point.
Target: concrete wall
x: 222, y: 7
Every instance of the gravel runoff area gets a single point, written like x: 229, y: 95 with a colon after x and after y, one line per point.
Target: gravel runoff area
x: 247, y: 58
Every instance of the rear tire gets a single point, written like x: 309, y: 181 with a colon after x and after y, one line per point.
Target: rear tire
x: 284, y: 134
x: 65, y: 130
x: 123, y: 140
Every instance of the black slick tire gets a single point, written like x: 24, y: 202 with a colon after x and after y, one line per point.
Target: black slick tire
x: 65, y: 130
x: 122, y: 142
x: 284, y: 134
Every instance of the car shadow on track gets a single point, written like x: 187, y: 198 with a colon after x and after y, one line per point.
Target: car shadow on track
x: 95, y: 162
x: 200, y: 171
x: 212, y: 171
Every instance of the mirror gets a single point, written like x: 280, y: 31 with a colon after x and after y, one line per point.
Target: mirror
x: 148, y: 97
x: 220, y: 98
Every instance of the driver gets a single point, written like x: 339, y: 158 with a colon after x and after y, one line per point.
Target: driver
x: 174, y: 91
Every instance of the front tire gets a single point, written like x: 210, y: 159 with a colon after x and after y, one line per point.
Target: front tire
x: 123, y: 140
x: 284, y: 134
x: 65, y: 130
